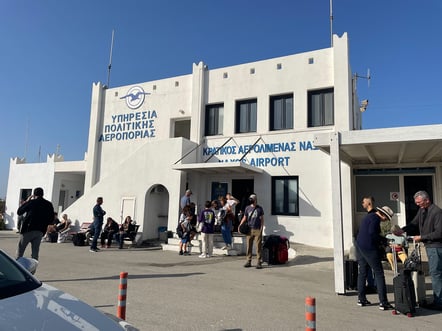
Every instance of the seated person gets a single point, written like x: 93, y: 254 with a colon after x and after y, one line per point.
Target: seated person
x: 64, y: 224
x: 63, y: 228
x: 51, y: 230
x: 397, y: 246
x: 127, y: 230
x: 110, y: 229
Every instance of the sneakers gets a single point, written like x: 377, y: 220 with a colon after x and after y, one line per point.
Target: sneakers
x: 181, y: 253
x: 259, y: 266
x: 224, y: 248
x: 363, y: 303
x: 248, y: 264
x: 385, y: 306
x: 93, y: 250
x: 202, y: 256
x: 186, y: 253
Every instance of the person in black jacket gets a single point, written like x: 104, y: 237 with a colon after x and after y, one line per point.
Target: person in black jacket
x: 39, y: 214
x: 368, y: 241
x: 429, y: 222
x: 110, y: 229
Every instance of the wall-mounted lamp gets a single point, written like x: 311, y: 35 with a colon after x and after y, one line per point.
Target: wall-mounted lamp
x: 363, y: 106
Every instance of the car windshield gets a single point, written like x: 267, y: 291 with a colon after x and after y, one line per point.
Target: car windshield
x: 14, y: 279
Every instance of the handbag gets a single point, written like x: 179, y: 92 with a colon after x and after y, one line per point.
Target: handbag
x: 244, y: 228
x: 200, y: 226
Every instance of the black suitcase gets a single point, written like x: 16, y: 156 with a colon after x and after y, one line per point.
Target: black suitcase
x: 351, y: 275
x: 79, y: 239
x: 275, y: 249
x: 404, y: 295
x: 269, y: 249
x: 403, y: 289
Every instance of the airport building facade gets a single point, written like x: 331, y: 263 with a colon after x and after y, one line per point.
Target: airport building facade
x: 288, y: 129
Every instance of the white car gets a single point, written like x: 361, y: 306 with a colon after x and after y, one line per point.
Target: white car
x: 28, y: 304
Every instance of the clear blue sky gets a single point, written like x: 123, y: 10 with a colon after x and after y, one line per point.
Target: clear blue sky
x: 52, y: 51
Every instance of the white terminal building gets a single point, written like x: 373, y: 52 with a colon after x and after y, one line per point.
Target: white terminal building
x: 286, y: 128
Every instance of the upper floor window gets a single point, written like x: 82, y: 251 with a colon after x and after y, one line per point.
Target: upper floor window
x: 214, y: 119
x: 285, y: 198
x: 281, y: 112
x: 320, y: 108
x: 246, y: 112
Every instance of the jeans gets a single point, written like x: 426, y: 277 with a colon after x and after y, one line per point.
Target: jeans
x: 226, y: 231
x: 97, y: 230
x: 435, y: 265
x: 371, y: 258
x: 33, y: 237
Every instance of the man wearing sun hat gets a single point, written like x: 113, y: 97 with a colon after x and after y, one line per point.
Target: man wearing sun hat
x: 368, y: 241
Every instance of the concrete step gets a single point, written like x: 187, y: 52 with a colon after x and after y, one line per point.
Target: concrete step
x: 239, y: 245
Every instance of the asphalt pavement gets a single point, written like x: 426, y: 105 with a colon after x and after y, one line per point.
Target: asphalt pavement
x: 166, y: 291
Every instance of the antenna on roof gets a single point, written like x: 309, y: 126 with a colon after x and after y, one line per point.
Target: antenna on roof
x: 368, y: 77
x: 331, y: 23
x: 110, y: 60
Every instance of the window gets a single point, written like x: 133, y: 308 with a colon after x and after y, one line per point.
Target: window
x: 320, y: 108
x: 285, y: 200
x: 214, y: 120
x: 281, y: 112
x: 246, y: 116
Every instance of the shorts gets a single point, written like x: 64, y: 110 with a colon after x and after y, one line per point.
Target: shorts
x: 186, y: 238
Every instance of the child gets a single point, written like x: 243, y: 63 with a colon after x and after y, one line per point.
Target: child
x: 207, y: 217
x: 397, y: 245
x: 185, y: 224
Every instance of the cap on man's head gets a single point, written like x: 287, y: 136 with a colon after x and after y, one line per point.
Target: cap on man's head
x: 252, y: 197
x: 38, y: 192
x: 188, y: 191
x: 386, y: 211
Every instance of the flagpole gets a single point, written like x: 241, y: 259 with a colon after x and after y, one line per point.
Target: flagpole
x: 331, y: 23
x: 110, y: 60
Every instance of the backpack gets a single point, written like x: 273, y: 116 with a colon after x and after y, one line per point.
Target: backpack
x: 179, y: 231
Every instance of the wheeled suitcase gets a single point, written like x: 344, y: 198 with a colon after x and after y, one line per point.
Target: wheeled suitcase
x: 403, y: 289
x: 351, y: 275
x: 275, y: 250
x: 418, y: 276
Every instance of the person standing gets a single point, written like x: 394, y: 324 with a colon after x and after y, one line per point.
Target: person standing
x: 368, y: 241
x: 226, y: 223
x: 368, y: 205
x: 254, y: 215
x: 20, y: 218
x: 97, y: 224
x: 207, y: 217
x: 39, y: 214
x: 185, y: 199
x: 429, y: 221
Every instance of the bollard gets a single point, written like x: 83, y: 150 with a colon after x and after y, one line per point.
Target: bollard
x: 121, y: 308
x: 310, y: 314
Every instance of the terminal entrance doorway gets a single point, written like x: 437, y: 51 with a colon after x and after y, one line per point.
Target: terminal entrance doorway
x: 241, y: 190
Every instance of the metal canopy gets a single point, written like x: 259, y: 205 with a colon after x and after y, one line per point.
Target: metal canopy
x: 388, y: 147
x: 218, y: 168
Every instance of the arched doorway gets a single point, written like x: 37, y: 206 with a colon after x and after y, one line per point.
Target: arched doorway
x: 156, y: 206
